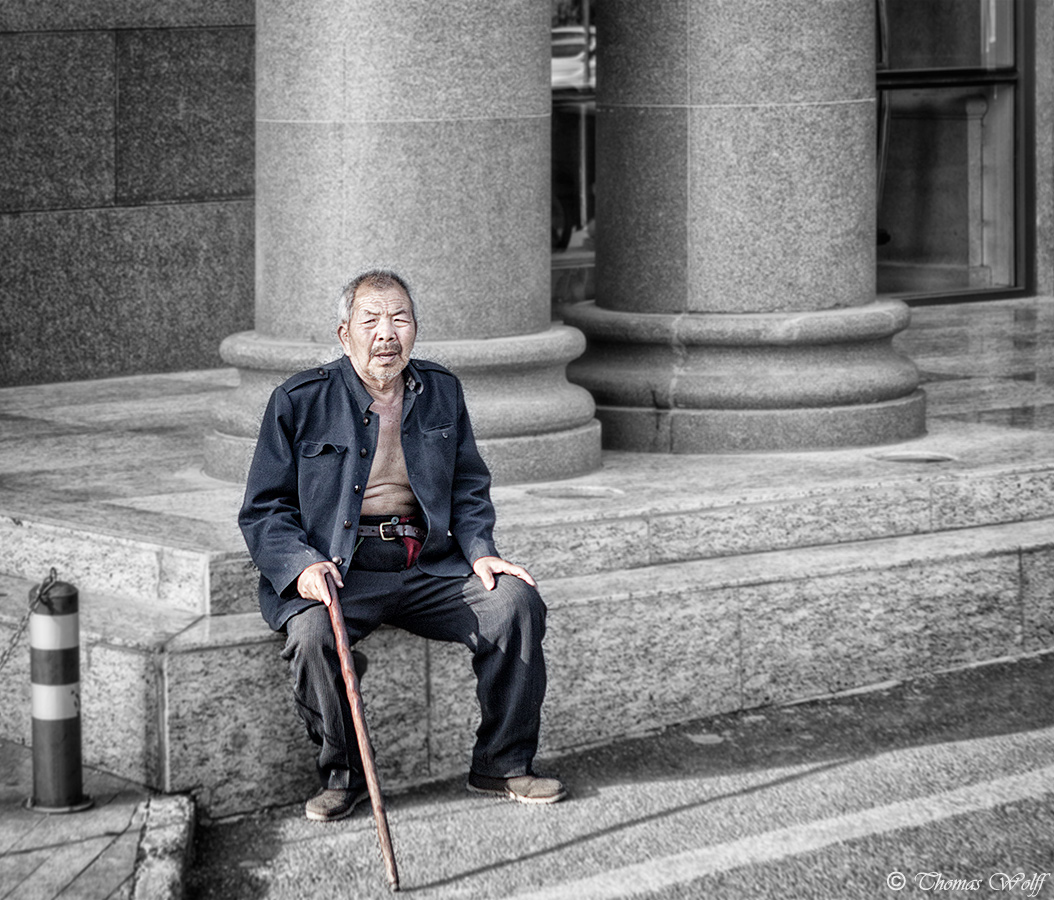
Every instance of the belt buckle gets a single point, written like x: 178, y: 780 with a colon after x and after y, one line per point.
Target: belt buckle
x: 391, y: 524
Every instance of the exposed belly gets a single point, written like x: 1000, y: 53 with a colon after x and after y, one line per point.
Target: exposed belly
x: 388, y: 498
x: 388, y: 489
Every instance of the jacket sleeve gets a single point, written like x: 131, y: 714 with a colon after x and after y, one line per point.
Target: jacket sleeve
x: 270, y: 517
x: 471, y: 511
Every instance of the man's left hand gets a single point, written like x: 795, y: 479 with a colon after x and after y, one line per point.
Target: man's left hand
x: 486, y: 567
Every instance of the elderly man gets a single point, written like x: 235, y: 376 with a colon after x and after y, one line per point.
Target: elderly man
x: 366, y: 470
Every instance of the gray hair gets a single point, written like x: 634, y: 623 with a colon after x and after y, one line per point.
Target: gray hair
x: 379, y: 279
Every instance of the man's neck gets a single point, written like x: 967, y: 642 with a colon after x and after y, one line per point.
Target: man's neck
x: 384, y: 392
x: 389, y: 394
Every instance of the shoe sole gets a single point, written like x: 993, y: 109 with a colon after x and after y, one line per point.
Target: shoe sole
x: 518, y: 798
x: 319, y: 817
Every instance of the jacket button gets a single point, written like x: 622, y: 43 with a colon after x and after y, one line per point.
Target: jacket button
x: 337, y: 560
x: 321, y: 371
x: 365, y: 420
x: 358, y: 488
x: 347, y: 523
x: 364, y: 453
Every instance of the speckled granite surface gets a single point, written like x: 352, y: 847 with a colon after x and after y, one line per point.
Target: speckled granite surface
x: 677, y: 586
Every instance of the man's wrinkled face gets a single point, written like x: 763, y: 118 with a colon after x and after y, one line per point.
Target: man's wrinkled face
x: 380, y: 334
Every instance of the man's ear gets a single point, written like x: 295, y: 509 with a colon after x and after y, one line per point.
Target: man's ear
x: 342, y: 335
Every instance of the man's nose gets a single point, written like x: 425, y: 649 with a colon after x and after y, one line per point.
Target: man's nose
x: 385, y: 331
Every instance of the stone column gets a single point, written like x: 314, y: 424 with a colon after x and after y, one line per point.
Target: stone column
x: 735, y: 265
x: 413, y: 136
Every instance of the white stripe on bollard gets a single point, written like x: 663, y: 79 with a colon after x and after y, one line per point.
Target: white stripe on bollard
x: 51, y: 702
x: 54, y: 632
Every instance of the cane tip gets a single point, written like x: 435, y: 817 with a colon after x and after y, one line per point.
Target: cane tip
x: 393, y: 886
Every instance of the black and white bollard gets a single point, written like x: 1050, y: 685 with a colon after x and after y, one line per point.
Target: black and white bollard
x: 54, y: 663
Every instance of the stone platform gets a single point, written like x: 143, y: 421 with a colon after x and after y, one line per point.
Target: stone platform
x: 678, y: 586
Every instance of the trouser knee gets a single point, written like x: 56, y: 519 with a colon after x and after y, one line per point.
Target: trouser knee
x: 515, y: 609
x: 309, y: 636
x: 311, y: 652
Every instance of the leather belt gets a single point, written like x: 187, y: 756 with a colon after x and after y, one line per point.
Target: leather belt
x: 389, y: 531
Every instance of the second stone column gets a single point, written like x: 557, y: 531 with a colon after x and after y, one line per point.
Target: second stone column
x: 735, y: 264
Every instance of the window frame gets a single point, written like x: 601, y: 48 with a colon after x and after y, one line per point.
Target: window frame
x: 1021, y: 75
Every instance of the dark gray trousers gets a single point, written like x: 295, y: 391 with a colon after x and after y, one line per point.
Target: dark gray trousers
x: 502, y: 628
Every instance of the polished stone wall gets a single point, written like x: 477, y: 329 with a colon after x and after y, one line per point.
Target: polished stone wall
x: 126, y: 191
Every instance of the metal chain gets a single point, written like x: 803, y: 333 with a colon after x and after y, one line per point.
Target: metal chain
x: 45, y: 588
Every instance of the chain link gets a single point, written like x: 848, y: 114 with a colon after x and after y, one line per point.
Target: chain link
x: 45, y: 588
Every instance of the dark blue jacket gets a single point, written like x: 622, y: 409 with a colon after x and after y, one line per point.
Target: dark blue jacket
x: 313, y: 457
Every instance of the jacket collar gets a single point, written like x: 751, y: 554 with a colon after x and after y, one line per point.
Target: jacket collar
x: 411, y: 378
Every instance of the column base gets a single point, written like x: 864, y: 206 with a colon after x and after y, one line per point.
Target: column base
x: 735, y: 382
x: 745, y: 430
x: 530, y: 423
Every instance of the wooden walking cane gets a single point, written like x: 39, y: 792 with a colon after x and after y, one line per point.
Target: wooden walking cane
x: 358, y: 715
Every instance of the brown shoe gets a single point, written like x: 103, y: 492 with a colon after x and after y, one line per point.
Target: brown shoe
x: 331, y: 804
x: 522, y: 788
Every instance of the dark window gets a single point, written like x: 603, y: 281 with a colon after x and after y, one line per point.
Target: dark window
x: 952, y: 211
x: 573, y: 79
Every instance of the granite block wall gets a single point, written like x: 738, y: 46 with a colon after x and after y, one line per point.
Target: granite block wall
x: 817, y: 636
x: 126, y: 193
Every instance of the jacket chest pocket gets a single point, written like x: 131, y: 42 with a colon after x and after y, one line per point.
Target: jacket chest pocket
x: 439, y: 440
x: 319, y: 466
x: 438, y: 432
x: 321, y: 449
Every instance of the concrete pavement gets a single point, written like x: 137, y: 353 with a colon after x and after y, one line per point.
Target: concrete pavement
x: 939, y: 785
x: 927, y: 786
x: 129, y: 845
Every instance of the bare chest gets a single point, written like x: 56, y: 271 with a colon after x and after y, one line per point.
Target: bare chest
x: 388, y: 489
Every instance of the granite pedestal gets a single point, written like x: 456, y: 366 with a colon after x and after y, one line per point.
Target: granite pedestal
x: 678, y: 585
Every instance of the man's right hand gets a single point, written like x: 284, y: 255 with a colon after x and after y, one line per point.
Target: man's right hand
x: 312, y: 581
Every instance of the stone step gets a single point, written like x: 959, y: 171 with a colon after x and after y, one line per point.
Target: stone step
x: 173, y: 572
x: 193, y: 703
x: 660, y: 516
x: 663, y: 644
x: 652, y: 517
